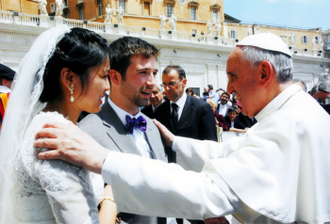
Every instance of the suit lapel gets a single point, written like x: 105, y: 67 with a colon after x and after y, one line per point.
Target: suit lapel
x: 187, y: 109
x: 151, y: 134
x: 117, y: 132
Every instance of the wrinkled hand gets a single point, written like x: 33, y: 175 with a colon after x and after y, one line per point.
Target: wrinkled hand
x: 70, y: 144
x: 219, y: 220
x: 167, y: 135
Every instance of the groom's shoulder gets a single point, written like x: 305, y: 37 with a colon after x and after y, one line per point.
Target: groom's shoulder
x: 91, y: 121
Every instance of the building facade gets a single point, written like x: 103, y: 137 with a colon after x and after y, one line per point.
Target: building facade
x: 201, y: 42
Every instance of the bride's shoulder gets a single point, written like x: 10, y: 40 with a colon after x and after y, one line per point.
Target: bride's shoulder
x: 43, y: 117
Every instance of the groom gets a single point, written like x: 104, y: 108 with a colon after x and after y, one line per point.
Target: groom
x: 120, y: 125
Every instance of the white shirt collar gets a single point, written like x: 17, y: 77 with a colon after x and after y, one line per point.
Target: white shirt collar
x: 122, y: 113
x: 4, y: 89
x: 278, y: 101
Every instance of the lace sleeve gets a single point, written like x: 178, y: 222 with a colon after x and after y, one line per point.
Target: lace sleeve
x: 69, y: 191
x: 68, y: 188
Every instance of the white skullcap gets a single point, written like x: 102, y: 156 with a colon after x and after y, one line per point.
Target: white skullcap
x: 266, y: 41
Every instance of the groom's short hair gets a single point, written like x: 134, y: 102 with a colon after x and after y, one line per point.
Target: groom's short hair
x: 123, y: 49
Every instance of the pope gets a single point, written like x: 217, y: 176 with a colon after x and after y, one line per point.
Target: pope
x: 278, y: 172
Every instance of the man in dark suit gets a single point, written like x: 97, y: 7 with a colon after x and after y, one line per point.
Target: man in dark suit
x: 156, y: 98
x: 120, y: 125
x: 193, y: 117
x: 182, y: 114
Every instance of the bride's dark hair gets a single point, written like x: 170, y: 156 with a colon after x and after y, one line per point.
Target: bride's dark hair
x: 78, y: 50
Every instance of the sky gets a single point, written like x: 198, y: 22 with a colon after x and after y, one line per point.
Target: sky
x: 290, y: 13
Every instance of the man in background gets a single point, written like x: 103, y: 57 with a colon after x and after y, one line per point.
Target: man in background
x: 321, y: 92
x: 6, y: 80
x: 212, y: 94
x: 156, y: 98
x: 224, y: 104
x: 182, y: 114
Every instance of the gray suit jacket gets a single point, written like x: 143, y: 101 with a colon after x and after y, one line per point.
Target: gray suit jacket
x: 107, y: 129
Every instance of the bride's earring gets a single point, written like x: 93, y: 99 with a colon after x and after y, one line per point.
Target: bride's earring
x: 71, y: 88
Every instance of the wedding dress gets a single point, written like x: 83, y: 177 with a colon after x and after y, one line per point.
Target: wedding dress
x: 53, y: 190
x: 33, y: 190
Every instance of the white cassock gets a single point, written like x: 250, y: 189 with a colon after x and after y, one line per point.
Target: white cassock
x: 278, y: 172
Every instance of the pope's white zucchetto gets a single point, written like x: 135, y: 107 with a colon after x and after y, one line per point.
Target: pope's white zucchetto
x: 266, y: 41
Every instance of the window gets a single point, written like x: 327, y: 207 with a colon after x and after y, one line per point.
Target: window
x: 146, y: 9
x: 193, y: 31
x: 52, y: 7
x: 122, y: 5
x: 81, y: 13
x: 65, y: 3
x: 215, y: 16
x: 66, y: 14
x: 99, y: 6
x: 233, y: 34
x: 181, y: 1
x: 304, y: 39
x: 169, y: 10
x: 193, y: 13
x: 316, y: 40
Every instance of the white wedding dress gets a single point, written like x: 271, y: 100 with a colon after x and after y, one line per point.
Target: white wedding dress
x: 53, y: 191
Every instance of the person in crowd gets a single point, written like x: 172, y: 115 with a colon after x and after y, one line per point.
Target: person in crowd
x: 205, y: 94
x: 321, y: 92
x: 6, y: 80
x: 224, y: 104
x: 266, y: 176
x: 219, y: 120
x: 232, y: 121
x: 156, y: 98
x: 190, y: 92
x: 64, y: 72
x: 301, y: 83
x: 182, y: 114
x: 212, y: 94
x: 120, y: 125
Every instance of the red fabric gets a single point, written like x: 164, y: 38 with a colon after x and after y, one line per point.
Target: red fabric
x: 3, y: 104
x: 221, y: 122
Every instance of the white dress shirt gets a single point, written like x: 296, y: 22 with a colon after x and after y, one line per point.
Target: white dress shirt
x: 137, y: 135
x: 223, y: 109
x: 181, y: 102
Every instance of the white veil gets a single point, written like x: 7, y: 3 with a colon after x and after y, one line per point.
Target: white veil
x: 22, y: 106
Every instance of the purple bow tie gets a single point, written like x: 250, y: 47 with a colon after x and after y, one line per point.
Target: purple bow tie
x: 140, y: 123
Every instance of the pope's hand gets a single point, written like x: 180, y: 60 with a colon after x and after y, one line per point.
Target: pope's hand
x: 167, y: 135
x: 70, y: 144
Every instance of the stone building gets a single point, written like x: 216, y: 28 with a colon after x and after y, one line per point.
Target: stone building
x: 201, y: 42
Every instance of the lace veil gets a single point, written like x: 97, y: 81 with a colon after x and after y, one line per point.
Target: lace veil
x: 22, y: 106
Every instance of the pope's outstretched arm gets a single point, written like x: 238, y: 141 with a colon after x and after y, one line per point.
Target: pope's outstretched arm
x: 72, y: 145
x: 145, y: 186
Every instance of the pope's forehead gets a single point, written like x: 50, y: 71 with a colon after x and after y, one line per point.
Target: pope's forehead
x: 235, y: 56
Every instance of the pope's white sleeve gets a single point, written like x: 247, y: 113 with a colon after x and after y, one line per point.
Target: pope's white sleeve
x: 155, y: 188
x: 192, y: 154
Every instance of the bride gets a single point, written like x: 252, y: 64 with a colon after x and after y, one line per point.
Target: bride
x: 64, y: 73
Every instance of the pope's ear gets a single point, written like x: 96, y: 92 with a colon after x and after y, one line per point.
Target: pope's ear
x: 114, y: 77
x: 266, y: 72
x: 67, y: 77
